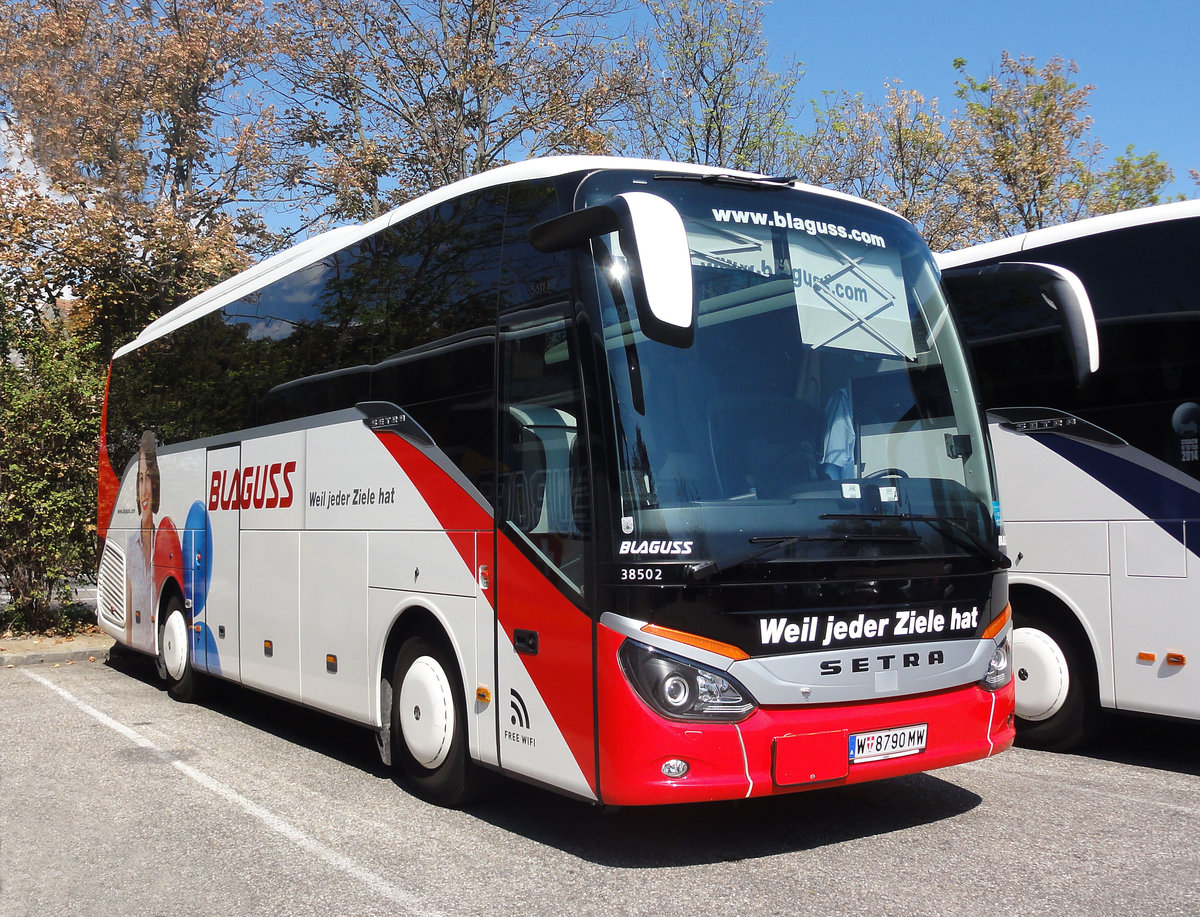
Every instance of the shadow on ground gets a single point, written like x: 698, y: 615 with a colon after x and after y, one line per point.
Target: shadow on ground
x: 634, y: 837
x: 1161, y: 744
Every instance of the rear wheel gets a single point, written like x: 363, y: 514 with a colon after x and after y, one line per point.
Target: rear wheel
x: 429, y: 725
x: 1056, y: 704
x: 174, y: 652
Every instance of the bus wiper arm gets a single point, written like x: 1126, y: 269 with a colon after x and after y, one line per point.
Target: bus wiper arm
x: 950, y: 528
x: 705, y: 569
x: 723, y: 178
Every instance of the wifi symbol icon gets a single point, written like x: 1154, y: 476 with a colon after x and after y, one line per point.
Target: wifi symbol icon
x: 520, y: 713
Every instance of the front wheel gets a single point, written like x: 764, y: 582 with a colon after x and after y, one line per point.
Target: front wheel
x: 1056, y: 703
x: 429, y: 725
x: 174, y: 652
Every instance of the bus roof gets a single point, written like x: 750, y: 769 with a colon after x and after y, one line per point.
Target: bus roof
x: 1179, y: 210
x: 312, y: 250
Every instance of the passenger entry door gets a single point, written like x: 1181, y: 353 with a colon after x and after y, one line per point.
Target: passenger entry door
x: 544, y: 635
x: 218, y: 619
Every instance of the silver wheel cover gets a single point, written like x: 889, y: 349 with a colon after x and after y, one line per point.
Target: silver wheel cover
x: 175, y: 645
x: 1043, y: 678
x: 426, y: 712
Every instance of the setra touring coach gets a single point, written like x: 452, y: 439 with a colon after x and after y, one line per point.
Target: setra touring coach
x: 644, y: 482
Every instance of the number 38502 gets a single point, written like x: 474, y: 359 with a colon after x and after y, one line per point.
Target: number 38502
x: 641, y: 574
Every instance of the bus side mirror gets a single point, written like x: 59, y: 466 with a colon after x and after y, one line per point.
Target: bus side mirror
x: 656, y: 253
x: 1059, y: 286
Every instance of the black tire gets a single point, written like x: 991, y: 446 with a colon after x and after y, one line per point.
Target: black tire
x: 429, y: 725
x: 1058, y: 705
x: 174, y: 658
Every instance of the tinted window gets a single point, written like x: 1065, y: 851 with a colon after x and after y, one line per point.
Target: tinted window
x: 334, y: 334
x: 543, y: 497
x: 1140, y: 282
x: 1016, y: 344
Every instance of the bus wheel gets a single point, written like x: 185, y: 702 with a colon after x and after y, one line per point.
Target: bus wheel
x: 1056, y: 702
x: 174, y: 652
x: 429, y: 732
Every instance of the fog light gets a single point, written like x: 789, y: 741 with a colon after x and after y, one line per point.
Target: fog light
x: 675, y: 768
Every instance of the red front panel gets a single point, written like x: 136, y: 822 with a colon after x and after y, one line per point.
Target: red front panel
x: 732, y: 761
x: 561, y: 669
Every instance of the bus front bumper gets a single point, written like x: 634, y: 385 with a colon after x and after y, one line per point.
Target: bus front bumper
x: 778, y: 750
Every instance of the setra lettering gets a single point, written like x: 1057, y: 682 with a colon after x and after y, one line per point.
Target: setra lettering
x: 860, y: 664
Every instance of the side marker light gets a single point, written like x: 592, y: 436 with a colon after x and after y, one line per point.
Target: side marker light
x: 998, y: 624
x: 703, y: 643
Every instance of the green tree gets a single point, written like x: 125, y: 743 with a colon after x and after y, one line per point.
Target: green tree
x: 51, y: 390
x: 1018, y: 155
x: 128, y: 173
x: 702, y: 92
x: 1027, y: 154
x: 1131, y: 181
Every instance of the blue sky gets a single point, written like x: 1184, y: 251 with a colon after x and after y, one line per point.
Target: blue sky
x: 1142, y: 57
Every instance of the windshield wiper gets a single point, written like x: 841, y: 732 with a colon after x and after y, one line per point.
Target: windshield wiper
x: 706, y: 569
x: 952, y: 529
x: 723, y: 178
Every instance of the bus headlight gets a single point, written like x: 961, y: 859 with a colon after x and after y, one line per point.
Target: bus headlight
x: 999, y: 671
x: 682, y: 690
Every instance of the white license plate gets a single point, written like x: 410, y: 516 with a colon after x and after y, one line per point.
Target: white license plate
x: 888, y: 743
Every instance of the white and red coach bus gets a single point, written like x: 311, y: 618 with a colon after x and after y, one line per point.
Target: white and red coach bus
x: 644, y: 482
x: 1095, y: 416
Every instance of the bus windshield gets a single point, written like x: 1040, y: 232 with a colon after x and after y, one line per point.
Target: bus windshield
x: 823, y: 410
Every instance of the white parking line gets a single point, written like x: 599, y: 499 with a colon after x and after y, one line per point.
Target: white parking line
x: 331, y: 857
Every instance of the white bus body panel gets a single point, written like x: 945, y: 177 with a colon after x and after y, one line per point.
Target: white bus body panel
x: 268, y: 599
x: 182, y: 476
x: 221, y: 607
x: 320, y: 543
x: 334, y: 617
x: 1159, y: 613
x: 1131, y: 582
x: 429, y: 570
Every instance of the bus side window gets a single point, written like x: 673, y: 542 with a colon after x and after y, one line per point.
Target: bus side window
x: 1016, y: 345
x: 541, y: 464
x: 542, y: 472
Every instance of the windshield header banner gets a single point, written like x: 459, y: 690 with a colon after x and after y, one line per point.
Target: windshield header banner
x: 848, y: 283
